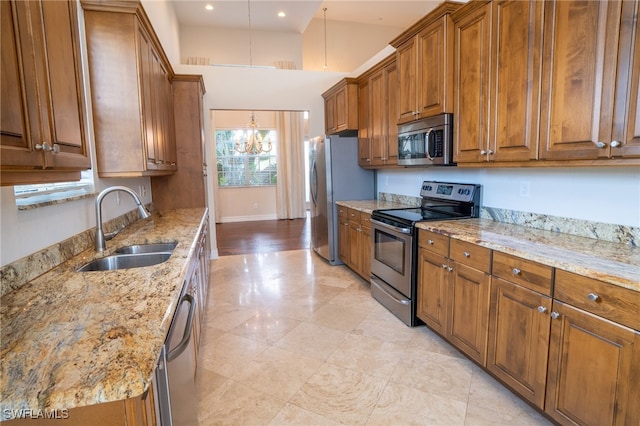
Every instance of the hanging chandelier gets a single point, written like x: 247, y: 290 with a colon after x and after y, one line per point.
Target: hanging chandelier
x: 251, y: 141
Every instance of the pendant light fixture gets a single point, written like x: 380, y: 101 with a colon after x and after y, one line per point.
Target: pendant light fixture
x: 251, y: 141
x: 326, y: 67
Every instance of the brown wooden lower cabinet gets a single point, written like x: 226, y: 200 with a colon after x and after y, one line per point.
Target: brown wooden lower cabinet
x: 519, y: 325
x: 594, y: 370
x: 577, y: 367
x: 139, y: 411
x: 354, y: 240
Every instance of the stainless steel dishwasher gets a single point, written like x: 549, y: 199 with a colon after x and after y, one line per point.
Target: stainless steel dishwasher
x: 175, y: 373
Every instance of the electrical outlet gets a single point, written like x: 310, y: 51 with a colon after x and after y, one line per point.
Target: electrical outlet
x: 142, y: 190
x: 524, y: 189
x: 255, y: 206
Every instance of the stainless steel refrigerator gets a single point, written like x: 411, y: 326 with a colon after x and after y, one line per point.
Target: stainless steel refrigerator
x: 334, y: 176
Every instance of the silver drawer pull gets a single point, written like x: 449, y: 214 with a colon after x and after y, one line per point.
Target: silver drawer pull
x: 593, y: 297
x: 466, y: 254
x: 554, y: 315
x: 516, y: 271
x: 542, y: 309
x: 430, y: 242
x: 444, y: 266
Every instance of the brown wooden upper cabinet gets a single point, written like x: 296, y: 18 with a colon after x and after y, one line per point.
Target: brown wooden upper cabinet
x: 424, y: 55
x: 591, y: 66
x: 131, y: 91
x: 573, y: 64
x: 43, y: 128
x: 378, y: 109
x: 341, y: 107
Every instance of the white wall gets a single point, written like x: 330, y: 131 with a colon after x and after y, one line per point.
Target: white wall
x: 349, y: 44
x: 226, y: 46
x: 599, y: 194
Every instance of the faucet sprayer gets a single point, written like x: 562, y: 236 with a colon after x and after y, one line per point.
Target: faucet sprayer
x: 101, y: 241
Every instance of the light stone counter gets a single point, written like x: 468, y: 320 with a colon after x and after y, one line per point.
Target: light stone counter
x: 72, y: 339
x: 614, y: 263
x: 368, y: 206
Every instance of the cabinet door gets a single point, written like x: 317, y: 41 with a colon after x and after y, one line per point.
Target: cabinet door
x: 471, y: 85
x: 342, y: 109
x: 579, y: 62
x: 519, y: 326
x: 406, y: 58
x: 377, y: 117
x: 344, y: 249
x: 16, y: 140
x: 514, y: 103
x: 364, y: 141
x: 330, y: 114
x: 391, y: 114
x: 594, y: 375
x: 468, y: 311
x: 433, y: 288
x: 148, y: 63
x: 366, y: 246
x: 42, y: 87
x: 355, y: 250
x: 435, y: 74
x: 626, y: 122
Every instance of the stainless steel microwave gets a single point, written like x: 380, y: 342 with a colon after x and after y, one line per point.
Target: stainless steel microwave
x: 426, y: 142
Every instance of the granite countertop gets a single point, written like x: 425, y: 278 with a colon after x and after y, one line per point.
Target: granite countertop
x: 614, y: 263
x: 73, y: 339
x: 368, y: 206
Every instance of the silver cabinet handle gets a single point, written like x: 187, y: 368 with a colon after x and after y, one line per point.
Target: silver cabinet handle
x: 554, y: 315
x: 466, y: 254
x: 616, y: 144
x: 600, y: 144
x: 483, y: 152
x: 593, y: 297
x: 444, y: 266
x: 542, y: 309
x: 46, y: 147
x: 430, y: 242
x: 516, y: 271
x: 449, y: 268
x: 490, y: 152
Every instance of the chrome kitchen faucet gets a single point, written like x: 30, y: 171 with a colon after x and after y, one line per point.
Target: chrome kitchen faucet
x: 101, y: 240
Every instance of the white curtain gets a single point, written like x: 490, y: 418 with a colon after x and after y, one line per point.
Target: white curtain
x: 290, y: 195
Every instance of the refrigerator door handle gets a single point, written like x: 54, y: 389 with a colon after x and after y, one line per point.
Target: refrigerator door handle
x: 314, y: 183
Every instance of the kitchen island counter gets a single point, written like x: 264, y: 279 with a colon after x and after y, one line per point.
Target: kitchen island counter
x: 613, y: 263
x: 72, y: 339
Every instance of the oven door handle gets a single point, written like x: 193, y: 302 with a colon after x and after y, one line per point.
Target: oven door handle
x: 401, y: 301
x: 395, y: 228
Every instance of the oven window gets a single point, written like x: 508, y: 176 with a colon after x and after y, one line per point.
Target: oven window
x: 389, y: 250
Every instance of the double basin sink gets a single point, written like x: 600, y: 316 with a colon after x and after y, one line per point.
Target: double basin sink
x: 133, y: 256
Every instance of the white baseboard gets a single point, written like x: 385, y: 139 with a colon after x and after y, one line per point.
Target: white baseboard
x: 230, y: 219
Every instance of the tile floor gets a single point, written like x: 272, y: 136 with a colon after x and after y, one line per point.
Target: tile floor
x: 290, y: 340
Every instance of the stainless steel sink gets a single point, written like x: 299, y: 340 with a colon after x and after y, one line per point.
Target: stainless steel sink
x: 125, y: 261
x: 147, y: 248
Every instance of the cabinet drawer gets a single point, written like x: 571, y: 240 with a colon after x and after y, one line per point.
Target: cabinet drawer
x: 470, y: 254
x: 528, y: 274
x: 365, y: 220
x: 343, y: 211
x: 434, y: 242
x: 606, y: 300
x: 354, y: 215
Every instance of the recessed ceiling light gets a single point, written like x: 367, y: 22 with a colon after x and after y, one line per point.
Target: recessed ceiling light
x: 282, y: 14
x: 209, y: 7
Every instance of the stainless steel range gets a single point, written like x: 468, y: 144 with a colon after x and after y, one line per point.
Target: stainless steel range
x: 395, y: 242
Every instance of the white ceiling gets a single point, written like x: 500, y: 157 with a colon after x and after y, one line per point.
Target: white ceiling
x: 234, y: 13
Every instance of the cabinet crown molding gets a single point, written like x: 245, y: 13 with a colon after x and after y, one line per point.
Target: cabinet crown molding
x: 445, y: 8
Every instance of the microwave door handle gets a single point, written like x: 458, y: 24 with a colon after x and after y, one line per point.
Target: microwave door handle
x: 427, y: 142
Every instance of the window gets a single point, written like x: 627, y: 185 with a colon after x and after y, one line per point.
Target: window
x: 245, y: 169
x: 53, y: 193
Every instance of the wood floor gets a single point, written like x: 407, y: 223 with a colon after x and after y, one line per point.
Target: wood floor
x: 263, y: 236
